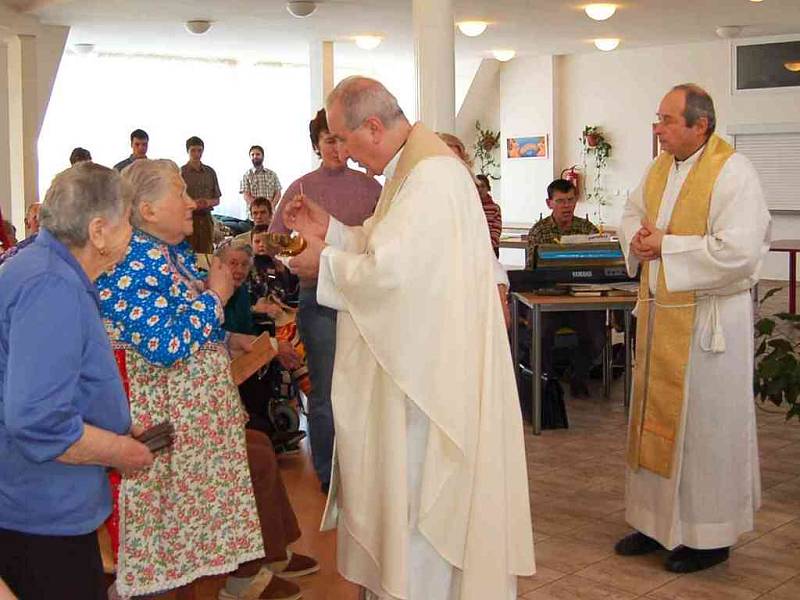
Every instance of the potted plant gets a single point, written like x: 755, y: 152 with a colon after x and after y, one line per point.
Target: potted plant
x: 777, y: 369
x: 596, y: 152
x: 486, y: 144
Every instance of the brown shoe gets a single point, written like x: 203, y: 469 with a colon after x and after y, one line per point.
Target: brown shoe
x: 263, y: 586
x: 297, y: 565
x: 280, y: 589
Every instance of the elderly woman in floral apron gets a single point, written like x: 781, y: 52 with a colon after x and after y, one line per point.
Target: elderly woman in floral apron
x: 193, y: 513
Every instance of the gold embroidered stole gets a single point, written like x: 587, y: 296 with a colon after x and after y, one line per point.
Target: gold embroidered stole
x: 422, y: 143
x: 664, y: 324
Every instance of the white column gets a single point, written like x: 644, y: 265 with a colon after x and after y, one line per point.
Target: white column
x: 320, y: 55
x: 320, y: 61
x: 434, y: 53
x: 5, y: 154
x: 23, y: 125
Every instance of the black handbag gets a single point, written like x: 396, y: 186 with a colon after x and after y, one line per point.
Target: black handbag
x: 554, y: 411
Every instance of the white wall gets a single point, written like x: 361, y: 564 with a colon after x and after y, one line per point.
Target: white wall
x: 620, y: 92
x: 526, y: 108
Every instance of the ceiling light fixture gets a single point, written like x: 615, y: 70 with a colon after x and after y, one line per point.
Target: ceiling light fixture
x: 793, y: 66
x: 727, y: 32
x: 504, y: 55
x: 197, y: 26
x: 606, y: 44
x: 83, y: 48
x: 368, y: 42
x: 472, y: 28
x: 600, y: 12
x: 301, y: 8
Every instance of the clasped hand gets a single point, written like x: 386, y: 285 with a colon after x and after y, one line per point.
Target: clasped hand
x: 646, y: 244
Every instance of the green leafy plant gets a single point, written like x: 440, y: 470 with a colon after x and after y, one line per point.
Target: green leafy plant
x: 777, y: 370
x: 596, y: 152
x: 486, y: 144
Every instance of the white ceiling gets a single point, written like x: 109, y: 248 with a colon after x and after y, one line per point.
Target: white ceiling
x: 262, y: 29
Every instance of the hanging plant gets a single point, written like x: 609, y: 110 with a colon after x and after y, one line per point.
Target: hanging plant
x: 596, y: 152
x: 486, y: 145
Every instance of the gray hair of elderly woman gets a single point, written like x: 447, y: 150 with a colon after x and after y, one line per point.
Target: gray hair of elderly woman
x: 150, y: 181
x: 81, y: 193
x: 362, y: 98
x: 225, y: 249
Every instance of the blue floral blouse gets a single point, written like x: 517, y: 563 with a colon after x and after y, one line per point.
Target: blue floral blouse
x: 155, y: 301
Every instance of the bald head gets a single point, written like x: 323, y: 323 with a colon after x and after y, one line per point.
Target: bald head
x: 368, y: 124
x: 361, y: 98
x: 686, y: 120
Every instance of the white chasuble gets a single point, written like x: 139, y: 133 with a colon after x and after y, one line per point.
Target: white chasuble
x: 430, y: 491
x: 715, y: 487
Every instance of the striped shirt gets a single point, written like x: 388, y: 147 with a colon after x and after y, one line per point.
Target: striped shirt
x: 494, y: 219
x: 260, y: 183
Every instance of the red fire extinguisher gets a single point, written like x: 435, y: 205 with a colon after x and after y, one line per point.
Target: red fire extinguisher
x: 574, y: 177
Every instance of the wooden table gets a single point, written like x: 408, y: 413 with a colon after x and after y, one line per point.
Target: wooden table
x: 792, y: 247
x: 540, y: 304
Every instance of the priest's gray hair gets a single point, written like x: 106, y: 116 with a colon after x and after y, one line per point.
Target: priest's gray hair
x: 699, y: 104
x: 150, y: 180
x: 81, y: 193
x: 362, y: 98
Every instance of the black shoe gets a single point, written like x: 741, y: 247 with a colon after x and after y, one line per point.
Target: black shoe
x: 689, y: 560
x: 578, y: 388
x: 636, y: 544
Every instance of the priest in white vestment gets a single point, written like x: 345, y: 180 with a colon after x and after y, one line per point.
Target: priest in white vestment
x: 430, y: 492
x: 699, y: 226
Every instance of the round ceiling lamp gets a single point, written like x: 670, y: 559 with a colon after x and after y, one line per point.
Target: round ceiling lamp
x: 793, y: 66
x: 368, y: 42
x: 606, y: 44
x: 472, y: 28
x: 83, y: 49
x: 197, y: 26
x: 301, y: 8
x: 600, y: 12
x: 504, y: 55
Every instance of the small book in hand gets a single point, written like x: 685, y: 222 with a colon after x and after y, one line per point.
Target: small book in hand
x: 158, y: 437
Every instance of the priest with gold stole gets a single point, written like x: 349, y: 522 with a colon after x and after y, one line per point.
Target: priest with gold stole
x: 699, y: 227
x: 430, y: 487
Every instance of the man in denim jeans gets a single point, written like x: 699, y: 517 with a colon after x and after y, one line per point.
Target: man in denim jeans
x: 350, y: 196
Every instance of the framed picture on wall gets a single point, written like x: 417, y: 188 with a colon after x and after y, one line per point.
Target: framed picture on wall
x: 528, y: 146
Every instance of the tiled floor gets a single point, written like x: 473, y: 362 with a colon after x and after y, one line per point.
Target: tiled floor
x: 577, y: 503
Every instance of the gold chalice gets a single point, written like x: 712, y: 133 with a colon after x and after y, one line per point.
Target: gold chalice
x: 284, y: 244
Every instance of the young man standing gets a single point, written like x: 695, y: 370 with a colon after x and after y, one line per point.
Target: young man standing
x: 202, y: 187
x: 139, y: 142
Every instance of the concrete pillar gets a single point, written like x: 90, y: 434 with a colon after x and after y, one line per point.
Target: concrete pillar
x: 320, y: 60
x: 434, y: 54
x: 23, y: 125
x: 320, y: 55
x: 5, y: 155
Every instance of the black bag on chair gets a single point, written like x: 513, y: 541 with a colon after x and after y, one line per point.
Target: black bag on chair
x: 554, y: 411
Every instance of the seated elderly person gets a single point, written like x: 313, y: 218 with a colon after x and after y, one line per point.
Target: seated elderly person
x: 588, y: 326
x: 193, y: 513
x: 63, y: 413
x: 265, y: 385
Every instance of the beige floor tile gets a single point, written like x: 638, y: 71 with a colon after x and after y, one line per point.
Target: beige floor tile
x: 750, y: 572
x: 635, y: 574
x: 781, y: 546
x: 788, y: 591
x: 694, y: 588
x: 578, y: 588
x: 542, y: 577
x: 569, y: 555
x: 601, y: 532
